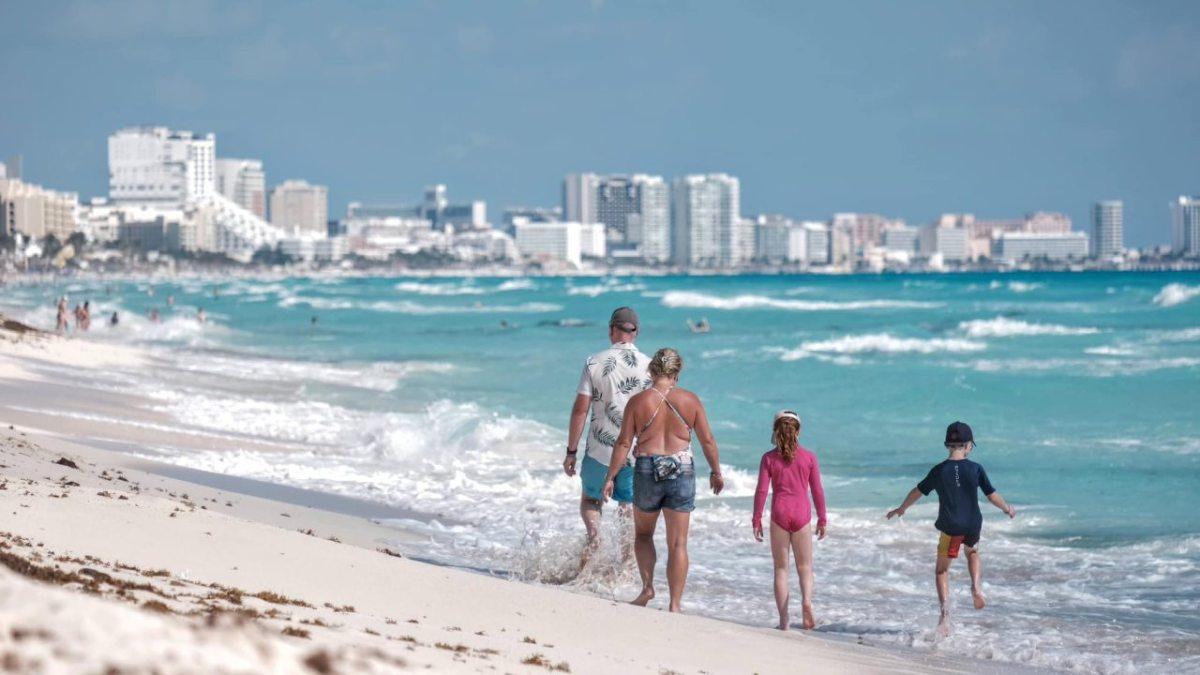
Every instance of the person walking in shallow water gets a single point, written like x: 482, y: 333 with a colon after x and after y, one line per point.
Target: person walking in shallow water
x: 62, y: 322
x: 791, y: 472
x: 959, y: 521
x: 660, y: 421
x: 609, y: 378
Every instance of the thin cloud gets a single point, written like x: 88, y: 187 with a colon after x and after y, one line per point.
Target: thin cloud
x: 474, y: 143
x: 988, y: 46
x: 475, y: 39
x: 264, y: 58
x: 115, y: 20
x: 1164, y: 58
x: 180, y: 93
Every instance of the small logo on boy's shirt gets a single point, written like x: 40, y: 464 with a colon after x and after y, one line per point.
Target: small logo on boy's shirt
x: 957, y: 482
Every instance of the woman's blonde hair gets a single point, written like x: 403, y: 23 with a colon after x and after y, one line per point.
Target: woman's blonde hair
x: 666, y: 363
x: 785, y: 435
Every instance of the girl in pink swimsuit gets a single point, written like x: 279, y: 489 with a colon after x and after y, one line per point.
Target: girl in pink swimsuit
x: 791, y: 472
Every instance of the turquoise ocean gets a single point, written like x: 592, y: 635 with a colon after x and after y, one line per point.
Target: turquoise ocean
x: 1083, y: 390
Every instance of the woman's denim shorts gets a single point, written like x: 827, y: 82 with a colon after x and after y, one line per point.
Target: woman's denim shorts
x: 651, y: 496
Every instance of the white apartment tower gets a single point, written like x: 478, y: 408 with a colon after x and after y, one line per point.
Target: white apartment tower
x: 579, y: 198
x: 243, y: 182
x: 550, y: 242
x: 1186, y: 230
x: 708, y: 228
x: 780, y: 240
x: 296, y: 205
x: 155, y: 165
x: 635, y: 210
x: 1108, y: 228
x: 817, y: 242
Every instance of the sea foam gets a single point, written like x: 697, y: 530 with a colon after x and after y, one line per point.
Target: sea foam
x: 1175, y: 294
x: 419, y: 288
x: 419, y: 309
x: 1005, y: 327
x: 883, y: 343
x: 692, y: 299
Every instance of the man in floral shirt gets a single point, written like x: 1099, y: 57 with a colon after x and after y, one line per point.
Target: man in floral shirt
x: 609, y: 379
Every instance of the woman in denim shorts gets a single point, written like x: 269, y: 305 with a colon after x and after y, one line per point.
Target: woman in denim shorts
x: 659, y: 422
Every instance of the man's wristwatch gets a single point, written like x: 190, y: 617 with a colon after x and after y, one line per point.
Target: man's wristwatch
x: 571, y: 452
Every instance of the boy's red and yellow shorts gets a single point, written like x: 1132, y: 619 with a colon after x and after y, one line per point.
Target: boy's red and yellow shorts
x: 948, y: 544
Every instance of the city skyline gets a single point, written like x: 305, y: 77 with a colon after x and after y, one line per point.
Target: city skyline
x: 938, y: 108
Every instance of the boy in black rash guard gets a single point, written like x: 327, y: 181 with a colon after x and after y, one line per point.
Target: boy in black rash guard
x: 959, y: 519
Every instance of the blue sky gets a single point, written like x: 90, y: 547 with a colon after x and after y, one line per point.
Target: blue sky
x: 908, y: 109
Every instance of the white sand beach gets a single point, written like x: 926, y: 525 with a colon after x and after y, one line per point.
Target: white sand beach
x: 113, y: 563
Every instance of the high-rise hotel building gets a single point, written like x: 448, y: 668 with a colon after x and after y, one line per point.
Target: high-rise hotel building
x: 635, y: 210
x: 707, y: 223
x: 155, y: 165
x: 244, y: 183
x: 1108, y: 228
x: 1186, y: 227
x: 296, y: 205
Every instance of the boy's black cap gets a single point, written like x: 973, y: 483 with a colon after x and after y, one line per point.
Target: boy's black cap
x: 958, y: 432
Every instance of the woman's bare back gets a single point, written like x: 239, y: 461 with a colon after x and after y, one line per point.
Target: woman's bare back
x: 668, y: 431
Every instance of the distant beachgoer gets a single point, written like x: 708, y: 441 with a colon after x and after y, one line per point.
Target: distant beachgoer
x: 791, y: 472
x: 313, y: 321
x: 114, y: 320
x: 664, y: 475
x: 201, y: 316
x: 170, y: 301
x: 150, y: 291
x: 154, y: 315
x: 78, y: 312
x: 62, y: 322
x: 503, y: 324
x: 87, y: 314
x: 959, y: 519
x: 610, y: 377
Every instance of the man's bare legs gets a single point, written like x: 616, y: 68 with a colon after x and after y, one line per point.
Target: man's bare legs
x: 802, y: 547
x: 589, y: 511
x: 677, y: 555
x: 780, y: 545
x: 644, y: 525
x: 942, y: 577
x: 974, y: 565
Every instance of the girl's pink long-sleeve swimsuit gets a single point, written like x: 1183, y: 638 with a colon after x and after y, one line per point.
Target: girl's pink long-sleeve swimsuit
x: 791, y: 483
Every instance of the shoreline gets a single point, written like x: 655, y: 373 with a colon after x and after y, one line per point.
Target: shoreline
x: 238, y: 272
x: 254, y: 526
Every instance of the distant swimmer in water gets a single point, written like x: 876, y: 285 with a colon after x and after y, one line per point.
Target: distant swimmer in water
x: 701, y: 326
x: 114, y: 320
x: 565, y: 323
x: 201, y: 316
x: 313, y: 320
x: 956, y: 481
x: 154, y: 315
x: 503, y: 324
x: 170, y: 301
x: 150, y: 291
